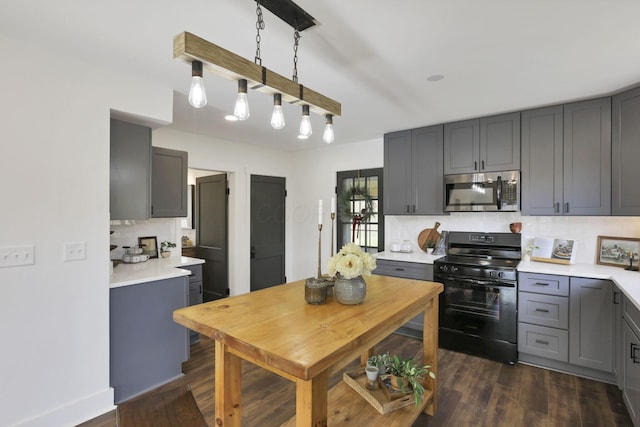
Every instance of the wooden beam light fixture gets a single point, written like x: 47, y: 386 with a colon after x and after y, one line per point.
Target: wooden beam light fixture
x: 215, y: 59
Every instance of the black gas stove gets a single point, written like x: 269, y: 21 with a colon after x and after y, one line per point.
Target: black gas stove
x: 478, y: 307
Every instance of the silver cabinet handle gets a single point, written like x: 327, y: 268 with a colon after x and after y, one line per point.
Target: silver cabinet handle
x: 556, y: 207
x: 475, y: 165
x: 542, y: 342
x: 541, y: 284
x: 566, y: 207
x: 542, y: 310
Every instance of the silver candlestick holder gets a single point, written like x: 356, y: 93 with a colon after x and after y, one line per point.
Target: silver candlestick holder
x: 319, y: 251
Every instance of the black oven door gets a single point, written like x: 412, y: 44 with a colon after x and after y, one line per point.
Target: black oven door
x: 481, y: 308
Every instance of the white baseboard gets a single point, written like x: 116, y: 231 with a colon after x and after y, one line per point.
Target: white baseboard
x: 75, y: 412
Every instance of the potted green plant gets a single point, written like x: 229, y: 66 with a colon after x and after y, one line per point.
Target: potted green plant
x: 164, y: 248
x: 408, y: 376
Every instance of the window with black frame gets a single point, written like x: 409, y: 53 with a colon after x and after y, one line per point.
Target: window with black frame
x: 359, y: 217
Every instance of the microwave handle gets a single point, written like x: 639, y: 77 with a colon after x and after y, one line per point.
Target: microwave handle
x: 499, y: 193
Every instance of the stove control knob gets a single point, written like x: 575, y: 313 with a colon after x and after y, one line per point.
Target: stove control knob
x: 444, y: 268
x: 500, y: 274
x: 454, y: 268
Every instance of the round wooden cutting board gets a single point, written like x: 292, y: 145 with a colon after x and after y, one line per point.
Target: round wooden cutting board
x: 428, y: 234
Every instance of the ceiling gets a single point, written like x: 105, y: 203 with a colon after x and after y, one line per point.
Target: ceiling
x: 374, y: 57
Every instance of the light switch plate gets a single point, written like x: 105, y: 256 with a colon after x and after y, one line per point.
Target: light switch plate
x: 13, y: 256
x: 75, y: 251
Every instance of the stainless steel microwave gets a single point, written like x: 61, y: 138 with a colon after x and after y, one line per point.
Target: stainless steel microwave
x: 482, y: 192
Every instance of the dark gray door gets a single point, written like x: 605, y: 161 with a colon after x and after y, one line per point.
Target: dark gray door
x: 267, y: 231
x: 211, y: 215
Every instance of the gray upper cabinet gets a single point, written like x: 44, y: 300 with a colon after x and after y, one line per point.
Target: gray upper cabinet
x: 566, y: 159
x: 541, y: 174
x: 130, y: 180
x: 169, y: 183
x: 625, y: 151
x: 591, y: 326
x: 490, y: 144
x: 587, y: 157
x: 413, y: 172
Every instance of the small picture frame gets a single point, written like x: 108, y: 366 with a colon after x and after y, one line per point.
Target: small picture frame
x: 617, y: 251
x: 149, y: 246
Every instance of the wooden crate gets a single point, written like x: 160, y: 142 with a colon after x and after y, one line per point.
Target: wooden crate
x: 357, y: 380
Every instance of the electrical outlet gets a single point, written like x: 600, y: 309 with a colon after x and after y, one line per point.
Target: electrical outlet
x: 75, y: 251
x: 13, y: 256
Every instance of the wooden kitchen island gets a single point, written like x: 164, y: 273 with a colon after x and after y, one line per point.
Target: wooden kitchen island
x: 277, y: 330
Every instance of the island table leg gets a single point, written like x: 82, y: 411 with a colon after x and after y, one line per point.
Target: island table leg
x: 311, y: 401
x: 430, y: 343
x: 228, y: 388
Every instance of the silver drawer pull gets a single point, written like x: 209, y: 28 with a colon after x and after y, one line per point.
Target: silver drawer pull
x: 543, y: 310
x: 399, y: 269
x: 542, y: 342
x: 541, y: 284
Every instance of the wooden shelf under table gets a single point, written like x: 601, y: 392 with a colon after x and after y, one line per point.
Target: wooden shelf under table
x: 347, y: 408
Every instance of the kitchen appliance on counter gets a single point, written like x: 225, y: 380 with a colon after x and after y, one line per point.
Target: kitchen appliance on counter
x: 478, y: 307
x: 133, y: 254
x: 490, y: 191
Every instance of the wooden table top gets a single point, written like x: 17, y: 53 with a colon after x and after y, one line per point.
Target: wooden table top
x: 277, y: 328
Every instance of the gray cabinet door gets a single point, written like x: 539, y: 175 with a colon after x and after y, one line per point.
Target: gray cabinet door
x: 625, y: 152
x: 397, y: 173
x: 461, y: 147
x: 130, y: 181
x: 427, y: 170
x: 587, y: 157
x: 542, y: 161
x: 169, y: 183
x: 500, y: 143
x: 631, y: 372
x: 591, y: 323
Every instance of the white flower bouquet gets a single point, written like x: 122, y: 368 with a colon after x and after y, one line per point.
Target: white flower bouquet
x: 351, y: 261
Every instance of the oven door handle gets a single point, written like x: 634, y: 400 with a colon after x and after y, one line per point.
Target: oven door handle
x: 499, y: 193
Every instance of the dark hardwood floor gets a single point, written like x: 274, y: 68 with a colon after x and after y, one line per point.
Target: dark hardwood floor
x: 473, y: 392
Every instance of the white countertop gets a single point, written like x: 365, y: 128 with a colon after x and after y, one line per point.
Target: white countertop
x: 151, y: 270
x: 415, y: 256
x: 627, y: 281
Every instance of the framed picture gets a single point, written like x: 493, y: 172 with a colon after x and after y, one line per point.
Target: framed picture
x: 617, y: 251
x: 149, y: 246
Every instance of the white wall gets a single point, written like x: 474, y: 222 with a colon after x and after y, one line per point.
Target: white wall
x: 239, y: 161
x: 54, y: 184
x: 315, y: 172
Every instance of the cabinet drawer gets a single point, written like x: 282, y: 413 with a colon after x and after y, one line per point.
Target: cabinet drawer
x: 544, y: 310
x: 544, y: 283
x: 408, y: 270
x: 631, y: 314
x: 196, y: 273
x: 544, y: 342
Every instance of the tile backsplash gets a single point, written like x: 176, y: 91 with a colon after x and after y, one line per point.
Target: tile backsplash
x: 584, y: 230
x: 126, y: 233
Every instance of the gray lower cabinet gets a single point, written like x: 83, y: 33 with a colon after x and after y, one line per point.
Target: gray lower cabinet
x: 413, y: 172
x: 130, y: 175
x: 625, y: 152
x: 566, y: 159
x: 630, y: 367
x: 568, y: 324
x: 489, y: 144
x: 195, y: 294
x: 147, y: 347
x: 407, y: 270
x: 591, y: 323
x: 169, y: 183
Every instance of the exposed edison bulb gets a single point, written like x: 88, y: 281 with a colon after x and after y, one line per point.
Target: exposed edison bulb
x: 241, y: 110
x: 197, y: 93
x: 328, y: 136
x: 277, y: 118
x: 305, y: 123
